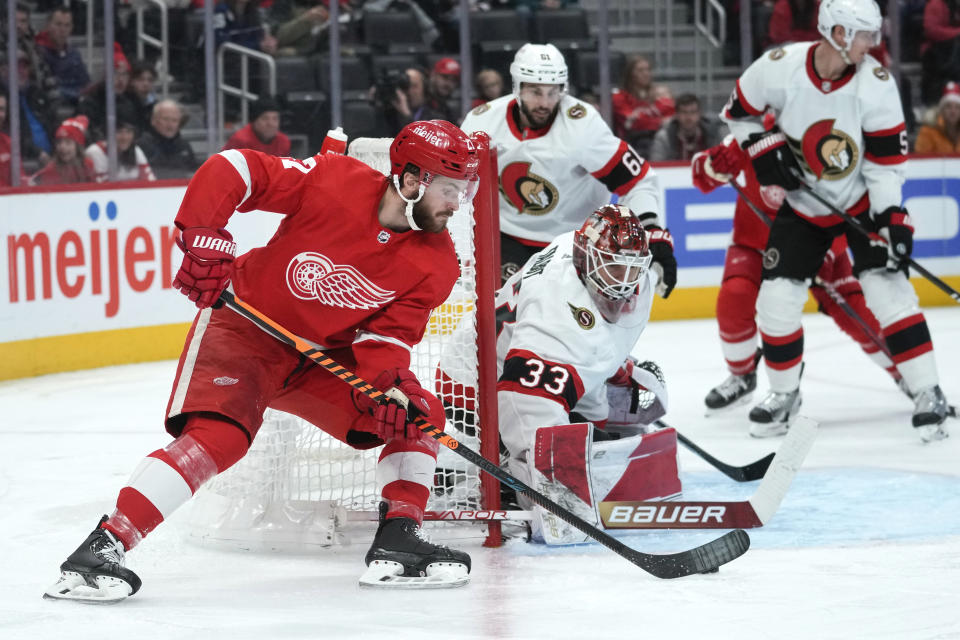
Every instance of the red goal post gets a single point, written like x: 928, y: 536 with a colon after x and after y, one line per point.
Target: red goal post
x: 298, y: 488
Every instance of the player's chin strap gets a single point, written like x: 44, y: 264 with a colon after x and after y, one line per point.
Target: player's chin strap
x: 408, y: 212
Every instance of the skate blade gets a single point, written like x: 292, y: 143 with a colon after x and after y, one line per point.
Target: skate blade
x: 73, y: 586
x: 739, y: 402
x: 932, y: 432
x: 383, y: 574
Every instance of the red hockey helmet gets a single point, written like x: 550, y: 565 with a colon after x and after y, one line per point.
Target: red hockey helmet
x: 436, y: 147
x: 611, y: 254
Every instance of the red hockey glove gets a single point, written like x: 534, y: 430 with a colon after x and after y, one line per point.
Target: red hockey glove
x: 661, y: 246
x: 404, y: 399
x: 207, y: 264
x: 716, y: 166
x: 772, y: 159
x: 896, y: 228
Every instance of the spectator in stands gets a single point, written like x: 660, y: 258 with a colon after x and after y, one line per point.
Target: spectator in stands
x: 5, y: 148
x: 940, y: 51
x: 263, y: 131
x: 407, y: 103
x: 793, y: 21
x: 301, y: 26
x: 37, y: 111
x: 68, y: 165
x: 943, y: 138
x: 93, y: 101
x: 639, y: 105
x: 64, y: 61
x: 489, y: 86
x: 26, y: 40
x: 686, y: 133
x: 444, y: 79
x: 239, y: 21
x: 140, y: 91
x: 132, y: 162
x: 169, y: 155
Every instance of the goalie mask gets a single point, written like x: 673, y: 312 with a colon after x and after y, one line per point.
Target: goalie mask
x: 860, y: 19
x: 611, y: 255
x: 446, y: 158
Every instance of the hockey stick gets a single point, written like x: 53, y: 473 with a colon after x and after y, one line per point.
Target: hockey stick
x: 856, y: 224
x: 680, y: 514
x: 754, y: 512
x: 747, y: 473
x: 703, y: 559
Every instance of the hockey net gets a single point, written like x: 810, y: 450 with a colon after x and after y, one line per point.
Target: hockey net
x: 298, y: 488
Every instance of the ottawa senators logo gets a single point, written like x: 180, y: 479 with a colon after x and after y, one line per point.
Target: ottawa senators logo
x: 829, y: 153
x: 583, y: 316
x: 483, y: 108
x: 776, y: 54
x: 881, y: 73
x: 576, y: 112
x: 528, y: 192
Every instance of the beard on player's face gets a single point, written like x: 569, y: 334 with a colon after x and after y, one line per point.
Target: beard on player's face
x: 539, y: 116
x: 431, y: 216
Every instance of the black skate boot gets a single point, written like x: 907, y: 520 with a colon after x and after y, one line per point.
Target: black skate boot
x: 401, y: 557
x: 735, y: 390
x: 772, y: 417
x: 94, y: 573
x: 930, y: 410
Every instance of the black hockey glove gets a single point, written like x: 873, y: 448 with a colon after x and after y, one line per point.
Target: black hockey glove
x: 896, y: 228
x: 661, y: 247
x: 772, y: 159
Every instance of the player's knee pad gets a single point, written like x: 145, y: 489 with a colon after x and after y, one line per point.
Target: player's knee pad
x: 780, y: 305
x: 890, y: 296
x: 217, y: 443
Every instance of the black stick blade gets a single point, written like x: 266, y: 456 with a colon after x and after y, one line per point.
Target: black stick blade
x: 706, y: 558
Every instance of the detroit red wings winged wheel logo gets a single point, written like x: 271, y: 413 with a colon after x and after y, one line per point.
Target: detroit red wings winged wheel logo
x: 313, y: 276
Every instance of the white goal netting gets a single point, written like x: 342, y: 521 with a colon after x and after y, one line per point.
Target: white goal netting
x: 298, y: 488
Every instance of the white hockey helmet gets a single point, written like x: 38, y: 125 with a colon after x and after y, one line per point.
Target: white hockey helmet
x: 855, y: 16
x: 538, y: 64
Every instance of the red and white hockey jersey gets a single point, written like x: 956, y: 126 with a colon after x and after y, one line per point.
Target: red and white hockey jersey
x: 552, y: 178
x: 848, y: 135
x: 554, y: 349
x: 331, y: 273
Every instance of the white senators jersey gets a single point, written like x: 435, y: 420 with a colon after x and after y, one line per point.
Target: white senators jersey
x: 554, y: 349
x: 848, y: 135
x: 552, y: 178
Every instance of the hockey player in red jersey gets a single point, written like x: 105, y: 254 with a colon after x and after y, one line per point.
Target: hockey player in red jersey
x: 736, y: 301
x: 840, y: 131
x: 558, y: 158
x: 357, y: 265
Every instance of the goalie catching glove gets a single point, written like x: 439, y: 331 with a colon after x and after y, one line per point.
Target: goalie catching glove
x: 402, y: 402
x: 896, y: 229
x: 636, y: 396
x: 207, y: 264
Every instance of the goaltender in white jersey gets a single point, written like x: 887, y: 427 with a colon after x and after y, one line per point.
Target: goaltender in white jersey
x: 558, y: 158
x: 566, y: 325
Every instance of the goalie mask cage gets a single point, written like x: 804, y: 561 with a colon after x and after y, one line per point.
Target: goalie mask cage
x: 298, y: 488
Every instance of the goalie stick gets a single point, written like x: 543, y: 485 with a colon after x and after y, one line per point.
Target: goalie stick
x: 703, y: 559
x: 747, y: 473
x: 681, y: 514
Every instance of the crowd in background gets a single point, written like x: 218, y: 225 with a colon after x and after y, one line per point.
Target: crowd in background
x: 63, y: 109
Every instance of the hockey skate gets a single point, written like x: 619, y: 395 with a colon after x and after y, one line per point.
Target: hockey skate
x: 772, y: 417
x: 734, y: 391
x: 402, y: 558
x: 930, y: 410
x: 94, y: 573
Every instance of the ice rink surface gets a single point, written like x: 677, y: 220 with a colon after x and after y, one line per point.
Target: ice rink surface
x: 865, y: 545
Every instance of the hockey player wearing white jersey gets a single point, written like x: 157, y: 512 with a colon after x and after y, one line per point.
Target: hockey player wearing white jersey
x: 840, y: 130
x: 566, y: 324
x: 558, y: 158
